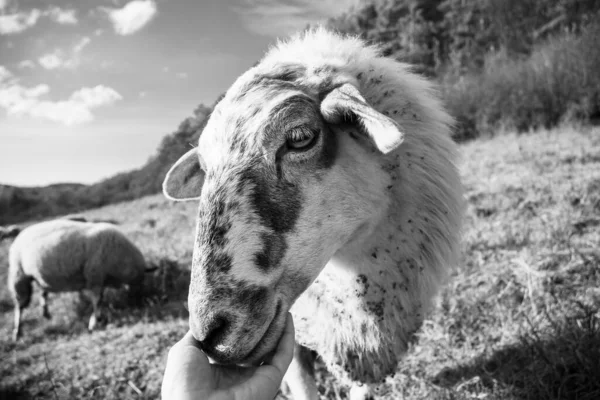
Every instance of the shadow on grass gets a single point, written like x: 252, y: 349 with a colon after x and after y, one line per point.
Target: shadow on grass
x: 560, y: 362
x: 6, y: 305
x: 162, y: 296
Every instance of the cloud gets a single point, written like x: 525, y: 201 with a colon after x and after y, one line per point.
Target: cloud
x: 5, y: 74
x: 58, y: 59
x: 53, y: 60
x: 63, y: 17
x: 81, y: 44
x: 26, y: 64
x: 277, y: 18
x: 18, y: 22
x: 132, y: 17
x: 19, y: 100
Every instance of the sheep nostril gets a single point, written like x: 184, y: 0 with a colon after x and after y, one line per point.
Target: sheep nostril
x: 213, y: 332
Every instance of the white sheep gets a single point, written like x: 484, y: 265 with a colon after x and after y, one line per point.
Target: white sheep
x: 64, y: 255
x: 328, y: 186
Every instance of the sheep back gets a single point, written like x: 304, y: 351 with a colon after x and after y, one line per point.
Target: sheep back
x: 64, y: 255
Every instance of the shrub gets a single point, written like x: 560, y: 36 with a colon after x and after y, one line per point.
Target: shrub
x: 559, y: 81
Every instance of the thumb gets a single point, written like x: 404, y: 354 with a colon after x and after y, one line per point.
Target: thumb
x: 187, y: 370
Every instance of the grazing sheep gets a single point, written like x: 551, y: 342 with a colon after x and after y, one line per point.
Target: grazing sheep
x: 64, y: 255
x: 327, y: 185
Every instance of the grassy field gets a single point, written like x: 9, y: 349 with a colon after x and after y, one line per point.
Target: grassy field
x: 520, y: 318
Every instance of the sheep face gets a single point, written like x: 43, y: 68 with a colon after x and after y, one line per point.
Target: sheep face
x: 283, y: 181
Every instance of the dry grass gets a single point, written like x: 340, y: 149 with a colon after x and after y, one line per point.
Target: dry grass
x: 519, y: 320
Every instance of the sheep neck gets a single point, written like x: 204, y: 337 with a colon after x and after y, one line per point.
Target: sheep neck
x: 365, y: 306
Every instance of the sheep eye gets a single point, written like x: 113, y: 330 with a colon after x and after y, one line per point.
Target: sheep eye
x: 302, y: 140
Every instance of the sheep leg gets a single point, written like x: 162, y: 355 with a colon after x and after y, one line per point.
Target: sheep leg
x: 96, y: 294
x: 17, y: 326
x: 20, y: 288
x: 300, y: 376
x: 45, y: 311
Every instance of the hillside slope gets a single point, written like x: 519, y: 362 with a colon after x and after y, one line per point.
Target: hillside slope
x: 19, y: 204
x: 519, y: 320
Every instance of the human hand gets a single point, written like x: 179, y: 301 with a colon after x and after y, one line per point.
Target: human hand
x: 190, y: 376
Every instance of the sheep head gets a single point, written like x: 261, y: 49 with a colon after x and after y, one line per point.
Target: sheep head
x: 286, y: 172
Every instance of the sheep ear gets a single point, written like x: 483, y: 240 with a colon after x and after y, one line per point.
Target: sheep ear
x: 185, y: 178
x: 346, y: 100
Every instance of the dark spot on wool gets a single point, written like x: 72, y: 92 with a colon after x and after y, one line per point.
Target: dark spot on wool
x: 395, y: 112
x: 324, y: 69
x: 410, y: 221
x: 217, y: 237
x: 277, y: 202
x: 281, y: 79
x: 390, y: 187
x: 374, y: 255
x: 219, y: 208
x: 242, y: 146
x: 216, y: 261
x: 354, y: 135
x: 233, y: 206
x: 376, y: 307
x: 363, y: 282
x: 251, y: 297
x: 329, y: 149
x: 359, y: 76
x: 273, y: 250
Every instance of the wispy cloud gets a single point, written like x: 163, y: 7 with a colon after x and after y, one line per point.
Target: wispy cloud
x: 26, y: 64
x: 19, y: 100
x: 132, y: 17
x: 54, y: 60
x: 59, y: 59
x: 18, y: 22
x: 63, y: 17
x: 275, y: 18
x: 5, y: 74
x: 84, y: 41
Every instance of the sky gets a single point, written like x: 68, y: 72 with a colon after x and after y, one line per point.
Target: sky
x: 88, y: 88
